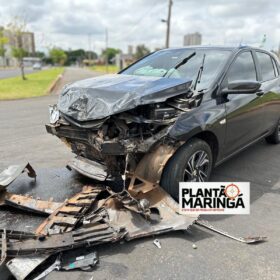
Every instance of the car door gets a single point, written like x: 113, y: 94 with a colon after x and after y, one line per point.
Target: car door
x: 244, y: 121
x: 269, y: 76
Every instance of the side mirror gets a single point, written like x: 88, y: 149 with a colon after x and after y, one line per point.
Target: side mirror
x: 239, y: 87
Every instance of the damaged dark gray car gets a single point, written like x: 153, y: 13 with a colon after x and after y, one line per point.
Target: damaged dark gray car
x: 171, y: 116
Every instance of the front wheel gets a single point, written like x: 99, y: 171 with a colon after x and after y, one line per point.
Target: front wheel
x: 192, y: 162
x: 274, y: 138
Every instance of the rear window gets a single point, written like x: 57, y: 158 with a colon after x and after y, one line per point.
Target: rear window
x: 266, y: 66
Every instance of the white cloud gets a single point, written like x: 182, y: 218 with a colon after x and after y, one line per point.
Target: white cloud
x: 68, y: 23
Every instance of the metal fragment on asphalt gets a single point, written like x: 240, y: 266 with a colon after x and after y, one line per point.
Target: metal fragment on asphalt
x: 3, y: 246
x: 13, y: 171
x: 21, y: 267
x: 55, y: 266
x: 247, y: 240
x: 28, y: 203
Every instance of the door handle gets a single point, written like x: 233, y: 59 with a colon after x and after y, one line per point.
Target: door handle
x: 260, y: 93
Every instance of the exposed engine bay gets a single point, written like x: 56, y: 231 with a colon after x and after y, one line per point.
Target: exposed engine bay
x: 115, y: 144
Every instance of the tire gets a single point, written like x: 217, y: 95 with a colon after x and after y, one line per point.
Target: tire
x: 175, y: 169
x: 274, y: 138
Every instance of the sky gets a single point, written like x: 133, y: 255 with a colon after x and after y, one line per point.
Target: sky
x: 72, y: 24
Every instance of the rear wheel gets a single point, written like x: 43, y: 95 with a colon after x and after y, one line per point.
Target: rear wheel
x: 274, y: 138
x: 192, y: 162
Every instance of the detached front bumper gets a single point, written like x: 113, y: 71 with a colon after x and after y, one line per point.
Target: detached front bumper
x: 89, y: 168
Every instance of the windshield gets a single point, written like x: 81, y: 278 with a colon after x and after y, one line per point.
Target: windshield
x: 162, y: 63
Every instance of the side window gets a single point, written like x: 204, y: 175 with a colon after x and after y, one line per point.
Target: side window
x: 266, y: 66
x: 243, y: 68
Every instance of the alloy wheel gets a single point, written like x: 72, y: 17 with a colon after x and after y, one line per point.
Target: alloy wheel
x: 197, y: 168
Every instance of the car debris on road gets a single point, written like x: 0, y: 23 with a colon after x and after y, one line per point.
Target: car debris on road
x: 55, y: 266
x: 157, y: 243
x: 12, y: 172
x: 95, y: 215
x: 194, y: 246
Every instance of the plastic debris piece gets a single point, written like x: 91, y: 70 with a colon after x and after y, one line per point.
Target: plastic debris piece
x: 157, y: 243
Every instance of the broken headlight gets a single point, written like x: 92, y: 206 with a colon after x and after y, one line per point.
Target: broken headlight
x: 54, y: 114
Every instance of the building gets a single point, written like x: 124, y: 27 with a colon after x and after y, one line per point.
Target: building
x: 192, y: 39
x: 123, y: 60
x: 26, y: 41
x: 130, y: 50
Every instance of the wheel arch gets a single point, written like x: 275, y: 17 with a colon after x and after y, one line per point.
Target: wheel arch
x: 211, y: 139
x: 151, y: 166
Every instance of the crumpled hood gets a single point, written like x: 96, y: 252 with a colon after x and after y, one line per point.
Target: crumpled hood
x: 102, y: 96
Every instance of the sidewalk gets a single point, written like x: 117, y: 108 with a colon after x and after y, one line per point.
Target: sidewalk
x: 72, y: 74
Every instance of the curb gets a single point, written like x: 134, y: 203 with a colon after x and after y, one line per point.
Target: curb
x: 54, y: 83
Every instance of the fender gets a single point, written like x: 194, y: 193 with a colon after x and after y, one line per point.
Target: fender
x: 208, y: 117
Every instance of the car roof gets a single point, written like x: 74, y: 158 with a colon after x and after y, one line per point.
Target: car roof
x: 233, y: 49
x: 216, y: 47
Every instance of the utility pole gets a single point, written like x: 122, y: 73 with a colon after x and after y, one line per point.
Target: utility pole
x: 89, y: 47
x: 106, y: 48
x: 168, y: 24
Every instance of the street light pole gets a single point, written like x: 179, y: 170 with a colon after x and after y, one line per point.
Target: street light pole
x: 168, y: 24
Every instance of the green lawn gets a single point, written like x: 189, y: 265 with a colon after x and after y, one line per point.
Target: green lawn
x: 37, y: 84
x: 102, y: 68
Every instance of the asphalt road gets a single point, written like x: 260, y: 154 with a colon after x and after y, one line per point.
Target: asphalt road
x: 14, y: 72
x: 23, y: 137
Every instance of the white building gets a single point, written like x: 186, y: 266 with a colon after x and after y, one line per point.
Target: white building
x: 192, y: 39
x: 27, y: 42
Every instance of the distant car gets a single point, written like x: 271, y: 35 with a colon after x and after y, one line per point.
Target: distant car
x: 171, y: 116
x: 37, y: 66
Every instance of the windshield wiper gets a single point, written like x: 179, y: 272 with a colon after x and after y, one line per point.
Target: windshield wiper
x: 182, y: 62
x: 199, y: 73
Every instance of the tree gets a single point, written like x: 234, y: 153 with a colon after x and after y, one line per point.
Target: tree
x: 141, y: 50
x: 110, y: 53
x: 40, y: 55
x: 19, y: 53
x: 58, y: 56
x: 3, y: 41
x: 17, y: 28
x: 77, y: 56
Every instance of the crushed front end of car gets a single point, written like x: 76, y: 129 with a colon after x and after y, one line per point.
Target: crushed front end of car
x: 119, y: 124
